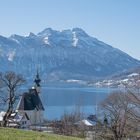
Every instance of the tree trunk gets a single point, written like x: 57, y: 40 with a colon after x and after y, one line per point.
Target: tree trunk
x: 7, y: 114
x: 5, y: 118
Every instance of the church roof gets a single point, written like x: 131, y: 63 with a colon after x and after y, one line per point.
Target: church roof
x: 30, y: 101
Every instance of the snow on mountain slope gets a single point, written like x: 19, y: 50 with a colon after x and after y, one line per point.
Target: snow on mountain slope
x: 67, y: 54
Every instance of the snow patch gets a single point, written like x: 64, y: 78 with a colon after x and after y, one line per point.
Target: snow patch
x: 75, y: 81
x: 125, y: 80
x: 15, y: 40
x: 11, y: 55
x: 75, y: 39
x: 85, y: 122
x: 46, y: 40
x: 72, y: 80
x: 133, y: 74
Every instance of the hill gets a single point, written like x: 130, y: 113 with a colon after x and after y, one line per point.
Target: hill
x: 16, y: 134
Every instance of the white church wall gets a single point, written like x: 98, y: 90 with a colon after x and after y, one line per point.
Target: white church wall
x: 36, y: 117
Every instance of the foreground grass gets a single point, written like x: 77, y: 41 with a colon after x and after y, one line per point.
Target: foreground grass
x: 16, y: 134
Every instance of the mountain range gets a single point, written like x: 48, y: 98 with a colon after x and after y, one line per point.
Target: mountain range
x: 62, y: 55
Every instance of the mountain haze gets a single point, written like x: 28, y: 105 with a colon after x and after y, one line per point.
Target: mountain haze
x: 61, y: 55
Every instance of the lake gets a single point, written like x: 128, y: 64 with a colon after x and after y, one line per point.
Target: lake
x: 60, y: 98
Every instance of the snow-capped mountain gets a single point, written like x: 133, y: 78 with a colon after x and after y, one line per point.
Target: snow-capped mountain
x: 62, y: 55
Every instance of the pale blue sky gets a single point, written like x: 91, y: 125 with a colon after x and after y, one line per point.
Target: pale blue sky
x: 116, y: 22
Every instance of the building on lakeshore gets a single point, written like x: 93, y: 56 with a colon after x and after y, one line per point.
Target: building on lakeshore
x: 31, y: 104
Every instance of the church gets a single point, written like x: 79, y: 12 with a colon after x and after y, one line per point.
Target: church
x: 31, y: 104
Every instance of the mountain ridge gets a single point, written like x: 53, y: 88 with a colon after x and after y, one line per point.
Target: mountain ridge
x: 61, y: 55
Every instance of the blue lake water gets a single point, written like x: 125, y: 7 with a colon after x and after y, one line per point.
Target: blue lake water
x: 60, y: 98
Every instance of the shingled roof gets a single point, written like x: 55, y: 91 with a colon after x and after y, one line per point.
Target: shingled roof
x: 30, y: 101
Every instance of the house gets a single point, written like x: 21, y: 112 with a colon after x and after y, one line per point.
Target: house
x: 17, y: 120
x: 85, y: 122
x: 2, y: 113
x: 30, y: 103
x: 90, y: 121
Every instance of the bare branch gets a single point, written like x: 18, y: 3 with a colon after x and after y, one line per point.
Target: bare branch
x: 10, y: 82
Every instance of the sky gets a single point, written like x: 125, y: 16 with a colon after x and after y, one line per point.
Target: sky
x: 115, y: 22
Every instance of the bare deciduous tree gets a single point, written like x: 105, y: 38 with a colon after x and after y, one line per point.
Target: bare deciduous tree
x: 67, y: 124
x: 117, y: 123
x: 10, y: 82
x: 134, y: 95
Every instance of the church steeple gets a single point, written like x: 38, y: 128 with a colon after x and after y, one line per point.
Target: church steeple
x: 37, y: 82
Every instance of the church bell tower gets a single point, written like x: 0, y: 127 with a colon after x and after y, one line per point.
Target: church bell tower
x: 37, y: 82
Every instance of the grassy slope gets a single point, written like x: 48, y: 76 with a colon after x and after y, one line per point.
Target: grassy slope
x: 16, y: 134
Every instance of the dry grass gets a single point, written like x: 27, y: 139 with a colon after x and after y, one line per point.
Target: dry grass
x: 16, y: 134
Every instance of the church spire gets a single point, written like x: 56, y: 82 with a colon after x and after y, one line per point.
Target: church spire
x: 37, y: 82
